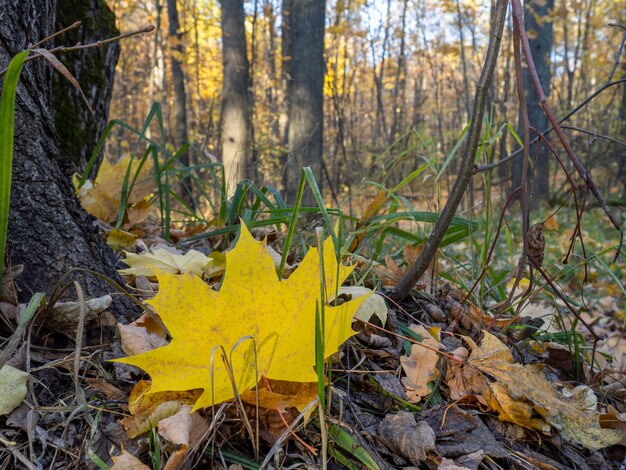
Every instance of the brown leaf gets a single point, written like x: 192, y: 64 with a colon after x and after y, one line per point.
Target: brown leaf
x: 421, y: 366
x: 402, y: 434
x: 148, y: 409
x: 127, y: 461
x: 144, y: 334
x: 569, y: 415
x: 184, y: 430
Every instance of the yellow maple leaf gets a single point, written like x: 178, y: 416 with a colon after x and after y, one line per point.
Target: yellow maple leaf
x: 262, y: 325
x: 102, y: 198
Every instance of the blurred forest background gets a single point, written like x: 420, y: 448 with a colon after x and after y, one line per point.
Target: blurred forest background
x: 398, y: 84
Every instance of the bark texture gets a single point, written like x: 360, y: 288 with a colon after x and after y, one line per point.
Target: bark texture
x: 305, y: 93
x: 79, y: 129
x: 49, y: 232
x: 236, y: 125
x: 537, y: 14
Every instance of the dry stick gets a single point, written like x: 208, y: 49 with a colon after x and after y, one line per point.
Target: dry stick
x: 521, y: 99
x: 519, y: 20
x: 581, y: 105
x: 431, y: 246
x: 78, y: 47
x: 595, y: 135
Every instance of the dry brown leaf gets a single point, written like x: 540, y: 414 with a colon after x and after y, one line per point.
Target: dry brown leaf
x: 282, y: 395
x: 528, y: 384
x: 402, y: 434
x: 127, y: 461
x: 148, y: 409
x: 421, y: 366
x: 613, y: 419
x: 463, y: 380
x: 111, y: 392
x: 144, y: 334
x: 184, y: 430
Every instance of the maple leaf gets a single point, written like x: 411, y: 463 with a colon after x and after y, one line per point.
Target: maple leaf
x: 102, y: 198
x: 262, y: 325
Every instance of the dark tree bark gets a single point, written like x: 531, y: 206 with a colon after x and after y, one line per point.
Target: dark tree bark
x: 180, y: 95
x: 305, y: 93
x: 537, y: 14
x: 79, y: 129
x: 236, y: 116
x: 49, y: 232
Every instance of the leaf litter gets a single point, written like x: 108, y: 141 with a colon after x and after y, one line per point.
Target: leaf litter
x: 444, y: 392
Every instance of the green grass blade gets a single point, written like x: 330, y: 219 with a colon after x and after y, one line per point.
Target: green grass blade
x: 7, y: 125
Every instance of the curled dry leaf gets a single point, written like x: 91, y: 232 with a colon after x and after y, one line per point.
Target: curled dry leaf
x: 421, y: 366
x: 183, y: 430
x: 517, y: 389
x: 142, y: 335
x: 402, y: 434
x: 148, y: 409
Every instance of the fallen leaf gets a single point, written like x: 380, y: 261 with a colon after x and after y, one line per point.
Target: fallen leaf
x: 421, y: 366
x: 12, y: 388
x: 261, y: 325
x: 374, y: 305
x: 528, y: 384
x: 127, y: 461
x: 102, y: 197
x: 142, y: 335
x: 147, y: 264
x: 148, y: 409
x: 118, y: 239
x: 402, y: 434
x: 282, y: 395
x: 184, y: 430
x: 465, y: 462
x: 613, y: 419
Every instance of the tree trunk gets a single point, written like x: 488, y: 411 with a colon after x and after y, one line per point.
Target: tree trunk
x: 49, y: 232
x: 180, y: 96
x: 305, y: 93
x: 537, y: 14
x: 236, y: 113
x: 79, y: 129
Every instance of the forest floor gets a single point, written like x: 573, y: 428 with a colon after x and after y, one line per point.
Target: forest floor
x: 437, y: 381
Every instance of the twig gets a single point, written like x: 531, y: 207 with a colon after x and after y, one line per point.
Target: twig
x: 54, y: 35
x: 545, y: 105
x: 419, y: 267
x: 581, y: 105
x: 79, y: 47
x: 595, y: 135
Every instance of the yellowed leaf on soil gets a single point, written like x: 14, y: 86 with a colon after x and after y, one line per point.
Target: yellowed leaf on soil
x: 12, y: 388
x: 265, y: 326
x: 148, y: 409
x: 146, y: 264
x: 528, y: 384
x: 127, y: 461
x: 282, y: 395
x: 421, y: 366
x: 102, y: 198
